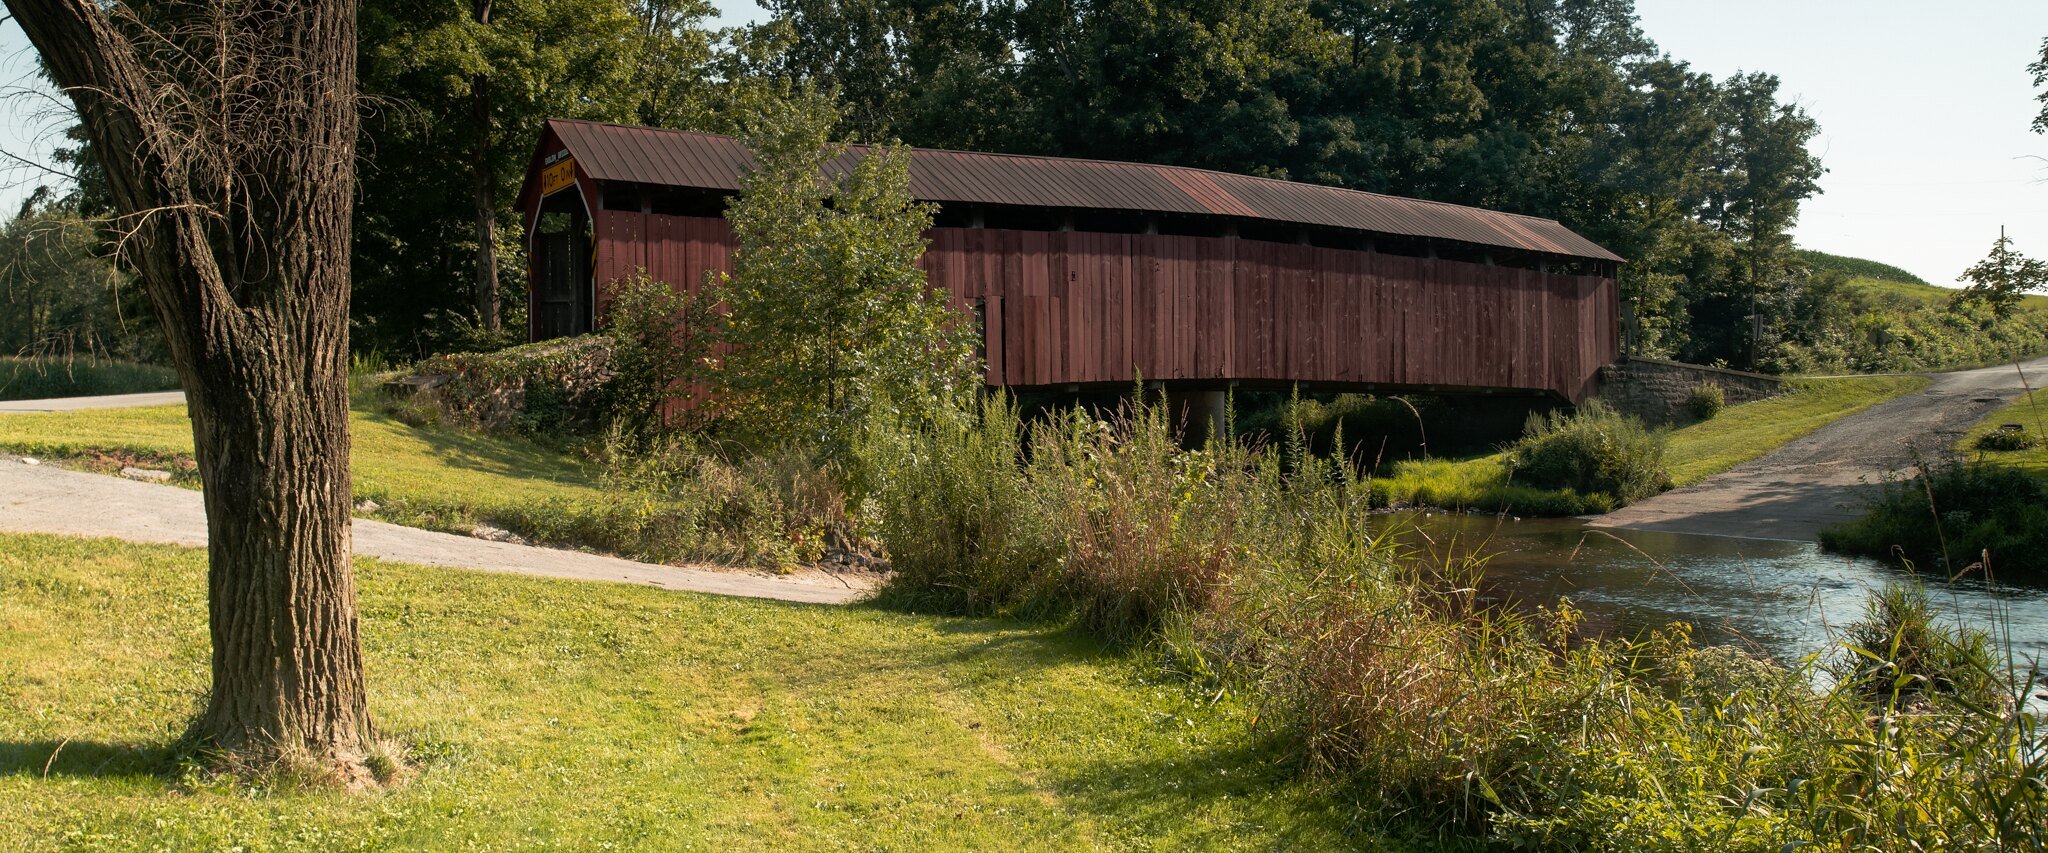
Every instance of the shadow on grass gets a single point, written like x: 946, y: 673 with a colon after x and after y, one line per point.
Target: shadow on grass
x: 82, y: 759
x: 1156, y: 793
x: 502, y: 457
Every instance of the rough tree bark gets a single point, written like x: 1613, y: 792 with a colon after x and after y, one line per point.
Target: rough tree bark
x: 486, y: 180
x: 227, y: 129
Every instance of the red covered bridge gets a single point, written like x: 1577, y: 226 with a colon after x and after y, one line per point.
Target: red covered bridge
x: 1089, y: 273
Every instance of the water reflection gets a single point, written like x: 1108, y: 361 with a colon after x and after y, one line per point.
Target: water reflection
x: 1784, y: 599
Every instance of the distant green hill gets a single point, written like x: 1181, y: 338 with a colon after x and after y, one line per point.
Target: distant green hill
x: 1857, y: 267
x: 1884, y: 285
x: 1897, y: 322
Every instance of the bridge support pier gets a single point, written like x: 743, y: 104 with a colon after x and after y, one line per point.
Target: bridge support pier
x: 1201, y: 415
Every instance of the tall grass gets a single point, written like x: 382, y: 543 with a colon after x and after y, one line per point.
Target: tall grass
x: 1256, y: 571
x: 1595, y: 450
x: 674, y: 498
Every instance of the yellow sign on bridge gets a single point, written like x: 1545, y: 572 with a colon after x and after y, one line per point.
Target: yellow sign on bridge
x: 558, y: 175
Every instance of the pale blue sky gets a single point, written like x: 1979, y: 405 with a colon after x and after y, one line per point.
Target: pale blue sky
x: 1923, y: 114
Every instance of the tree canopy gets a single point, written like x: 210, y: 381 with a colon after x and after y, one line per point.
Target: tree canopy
x: 1556, y: 108
x: 1561, y: 108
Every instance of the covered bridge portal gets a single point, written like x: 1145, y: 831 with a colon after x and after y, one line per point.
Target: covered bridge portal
x: 1088, y: 273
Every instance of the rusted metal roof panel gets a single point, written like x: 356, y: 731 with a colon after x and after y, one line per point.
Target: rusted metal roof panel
x: 646, y: 155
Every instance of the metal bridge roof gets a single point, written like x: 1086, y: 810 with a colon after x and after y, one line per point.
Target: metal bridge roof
x: 648, y: 155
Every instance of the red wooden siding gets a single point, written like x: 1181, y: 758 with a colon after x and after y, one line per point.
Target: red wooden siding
x: 1077, y: 307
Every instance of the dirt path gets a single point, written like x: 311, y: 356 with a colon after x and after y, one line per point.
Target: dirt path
x: 1818, y: 480
x: 47, y: 499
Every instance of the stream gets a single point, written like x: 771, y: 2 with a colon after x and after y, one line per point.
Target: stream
x: 1783, y: 599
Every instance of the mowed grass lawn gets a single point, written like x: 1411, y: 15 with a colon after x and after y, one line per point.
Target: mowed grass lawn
x: 427, y: 476
x: 1697, y: 451
x: 582, y: 715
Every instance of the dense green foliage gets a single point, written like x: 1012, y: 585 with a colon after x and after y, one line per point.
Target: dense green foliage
x: 826, y: 318
x: 1959, y: 518
x: 1705, y: 400
x: 458, y: 91
x: 658, y: 352
x: 1262, y: 582
x: 1859, y: 326
x: 540, y: 390
x: 61, y: 297
x: 40, y: 378
x: 1593, y: 450
x: 1821, y: 262
x: 2006, y: 441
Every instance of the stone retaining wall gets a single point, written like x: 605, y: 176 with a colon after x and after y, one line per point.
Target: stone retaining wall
x: 1658, y: 391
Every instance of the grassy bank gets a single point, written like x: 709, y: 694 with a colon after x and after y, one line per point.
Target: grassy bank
x: 1480, y: 483
x: 1745, y: 432
x: 40, y: 378
x: 428, y: 476
x: 582, y: 715
x: 675, y: 505
x: 1697, y: 451
x: 1891, y: 291
x: 1952, y: 516
x: 2032, y: 416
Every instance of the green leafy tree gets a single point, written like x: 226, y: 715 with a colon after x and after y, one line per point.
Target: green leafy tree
x: 60, y: 296
x: 828, y: 317
x: 460, y: 89
x: 2002, y: 277
x: 660, y: 339
x: 2040, y: 70
x: 936, y: 72
x: 1558, y: 108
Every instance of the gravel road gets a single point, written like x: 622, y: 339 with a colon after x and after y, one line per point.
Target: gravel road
x: 1820, y: 479
x: 111, y: 401
x: 47, y: 499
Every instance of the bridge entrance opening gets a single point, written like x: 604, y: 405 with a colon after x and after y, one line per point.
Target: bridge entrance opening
x: 562, y: 285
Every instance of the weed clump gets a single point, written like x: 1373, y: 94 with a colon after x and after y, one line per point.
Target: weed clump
x: 1595, y: 450
x: 2007, y: 441
x: 1901, y: 653
x: 1705, y: 400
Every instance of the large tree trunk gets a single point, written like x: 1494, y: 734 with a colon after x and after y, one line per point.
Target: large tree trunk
x: 270, y: 427
x: 486, y: 193
x: 486, y: 189
x: 231, y: 161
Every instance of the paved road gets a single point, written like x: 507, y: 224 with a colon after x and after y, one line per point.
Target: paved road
x: 1820, y: 479
x: 113, y: 401
x: 47, y: 499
